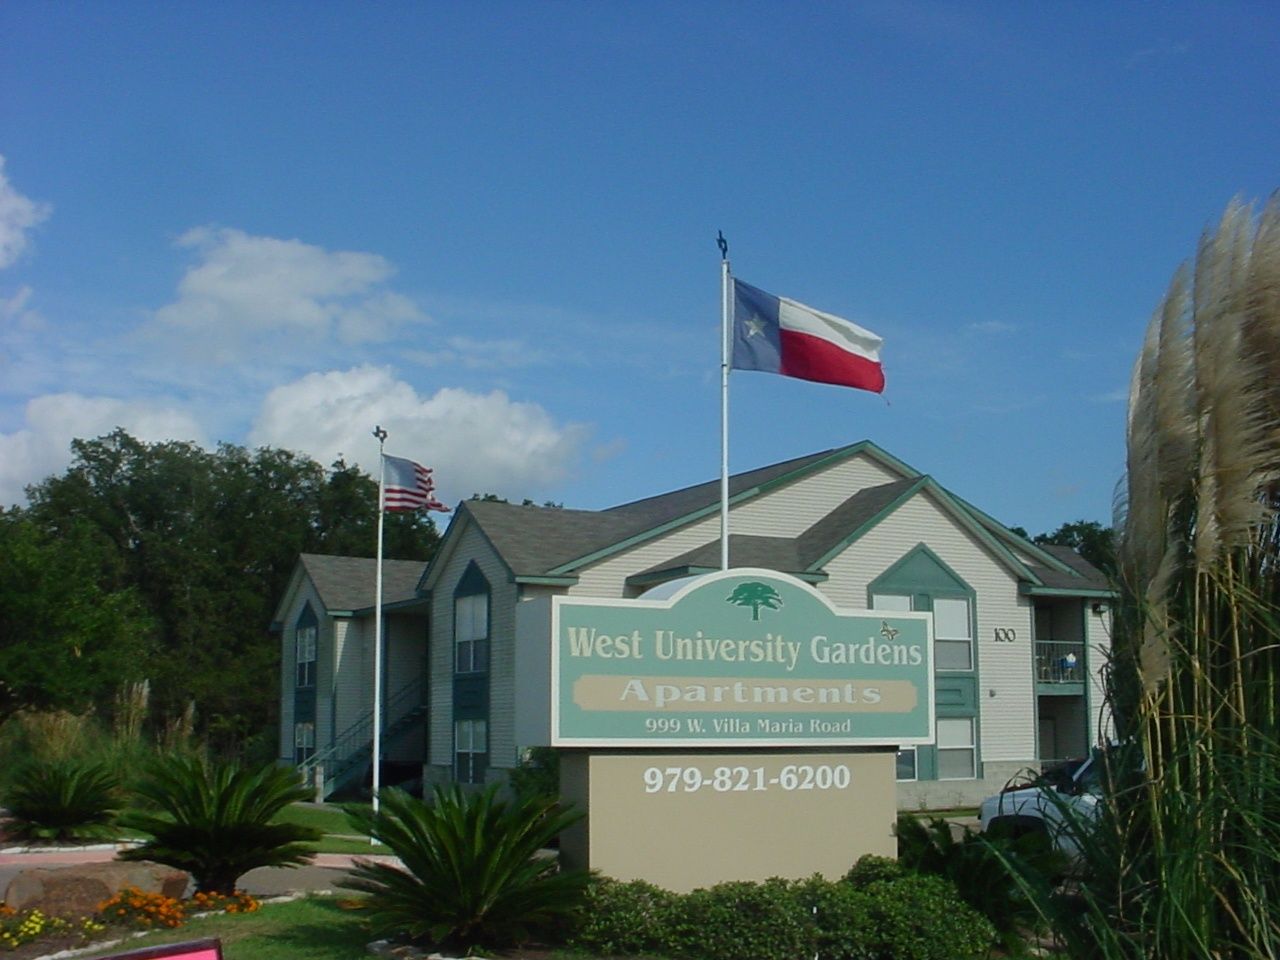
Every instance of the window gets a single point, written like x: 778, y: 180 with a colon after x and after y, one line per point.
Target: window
x: 957, y: 758
x: 907, y: 763
x: 471, y: 633
x: 305, y: 646
x: 893, y: 602
x: 952, y: 634
x: 304, y: 742
x: 471, y: 749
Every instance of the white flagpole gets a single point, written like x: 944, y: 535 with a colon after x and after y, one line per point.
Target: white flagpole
x: 377, y: 629
x: 724, y: 400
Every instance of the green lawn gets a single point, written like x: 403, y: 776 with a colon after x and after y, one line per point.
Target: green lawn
x: 340, y: 836
x: 315, y: 928
x: 326, y: 817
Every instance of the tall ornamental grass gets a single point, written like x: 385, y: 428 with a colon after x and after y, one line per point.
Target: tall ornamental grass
x: 1185, y: 859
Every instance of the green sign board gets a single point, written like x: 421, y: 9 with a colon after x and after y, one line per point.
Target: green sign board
x: 745, y: 657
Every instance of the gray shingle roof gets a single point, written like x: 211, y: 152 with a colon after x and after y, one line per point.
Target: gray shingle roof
x: 1089, y: 577
x: 796, y: 555
x: 851, y: 515
x: 348, y: 583
x: 534, y: 540
x: 654, y: 511
x: 537, y: 540
x: 746, y: 550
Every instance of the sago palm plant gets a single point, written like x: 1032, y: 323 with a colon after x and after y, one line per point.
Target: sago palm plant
x: 1185, y: 861
x: 61, y: 801
x: 217, y: 820
x: 475, y: 872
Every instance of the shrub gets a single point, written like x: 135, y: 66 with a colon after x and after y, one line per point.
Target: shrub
x: 537, y: 775
x: 63, y: 801
x: 871, y: 869
x: 886, y: 914
x: 916, y: 917
x: 473, y: 870
x: 216, y: 820
x: 993, y: 876
x: 623, y: 919
x: 732, y: 920
x: 836, y: 912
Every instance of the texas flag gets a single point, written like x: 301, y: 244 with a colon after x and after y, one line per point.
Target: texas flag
x: 777, y: 335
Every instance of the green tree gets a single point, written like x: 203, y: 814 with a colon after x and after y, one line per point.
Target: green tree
x: 70, y: 630
x: 755, y: 595
x: 205, y: 541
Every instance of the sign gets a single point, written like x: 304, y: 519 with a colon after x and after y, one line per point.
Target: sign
x: 210, y: 949
x: 749, y: 815
x: 743, y: 657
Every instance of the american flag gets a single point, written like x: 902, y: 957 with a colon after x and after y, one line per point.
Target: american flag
x: 408, y: 486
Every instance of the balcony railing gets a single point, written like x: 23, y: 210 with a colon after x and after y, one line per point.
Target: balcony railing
x: 1059, y: 662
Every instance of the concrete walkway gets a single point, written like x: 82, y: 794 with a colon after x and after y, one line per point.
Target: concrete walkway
x: 323, y: 873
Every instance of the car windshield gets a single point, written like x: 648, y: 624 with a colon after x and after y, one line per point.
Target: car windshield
x: 1090, y: 778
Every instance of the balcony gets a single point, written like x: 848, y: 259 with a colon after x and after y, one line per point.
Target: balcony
x: 1060, y: 663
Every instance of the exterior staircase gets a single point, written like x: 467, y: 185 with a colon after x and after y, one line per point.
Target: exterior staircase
x: 347, y: 760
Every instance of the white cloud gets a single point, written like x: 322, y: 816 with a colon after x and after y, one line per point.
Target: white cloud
x: 476, y: 354
x: 14, y: 311
x: 245, y: 287
x: 18, y: 214
x: 43, y: 446
x: 476, y: 442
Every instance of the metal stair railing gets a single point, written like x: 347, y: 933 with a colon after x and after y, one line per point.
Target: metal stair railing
x: 357, y: 738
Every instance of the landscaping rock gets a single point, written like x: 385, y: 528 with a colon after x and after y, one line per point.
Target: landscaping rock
x: 76, y: 891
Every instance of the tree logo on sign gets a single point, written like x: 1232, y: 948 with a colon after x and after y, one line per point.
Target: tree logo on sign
x: 755, y: 595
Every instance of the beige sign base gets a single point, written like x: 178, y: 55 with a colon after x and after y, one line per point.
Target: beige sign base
x: 687, y: 820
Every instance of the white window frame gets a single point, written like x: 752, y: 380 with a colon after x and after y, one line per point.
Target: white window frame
x: 892, y: 602
x: 915, y: 765
x: 471, y: 633
x: 950, y: 635
x: 304, y: 741
x: 470, y: 741
x: 304, y: 648
x: 966, y: 743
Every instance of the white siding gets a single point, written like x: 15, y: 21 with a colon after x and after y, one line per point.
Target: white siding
x: 790, y: 510
x: 406, y: 655
x: 1097, y: 656
x: 607, y: 578
x: 785, y: 512
x: 1006, y: 700
x: 351, y: 690
x: 472, y: 545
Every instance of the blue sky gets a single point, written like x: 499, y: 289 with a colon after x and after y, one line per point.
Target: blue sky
x: 490, y: 227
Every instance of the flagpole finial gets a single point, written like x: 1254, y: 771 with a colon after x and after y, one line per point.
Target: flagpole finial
x: 380, y: 433
x: 723, y: 244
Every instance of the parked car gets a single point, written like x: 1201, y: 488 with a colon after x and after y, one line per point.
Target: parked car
x: 1052, y: 803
